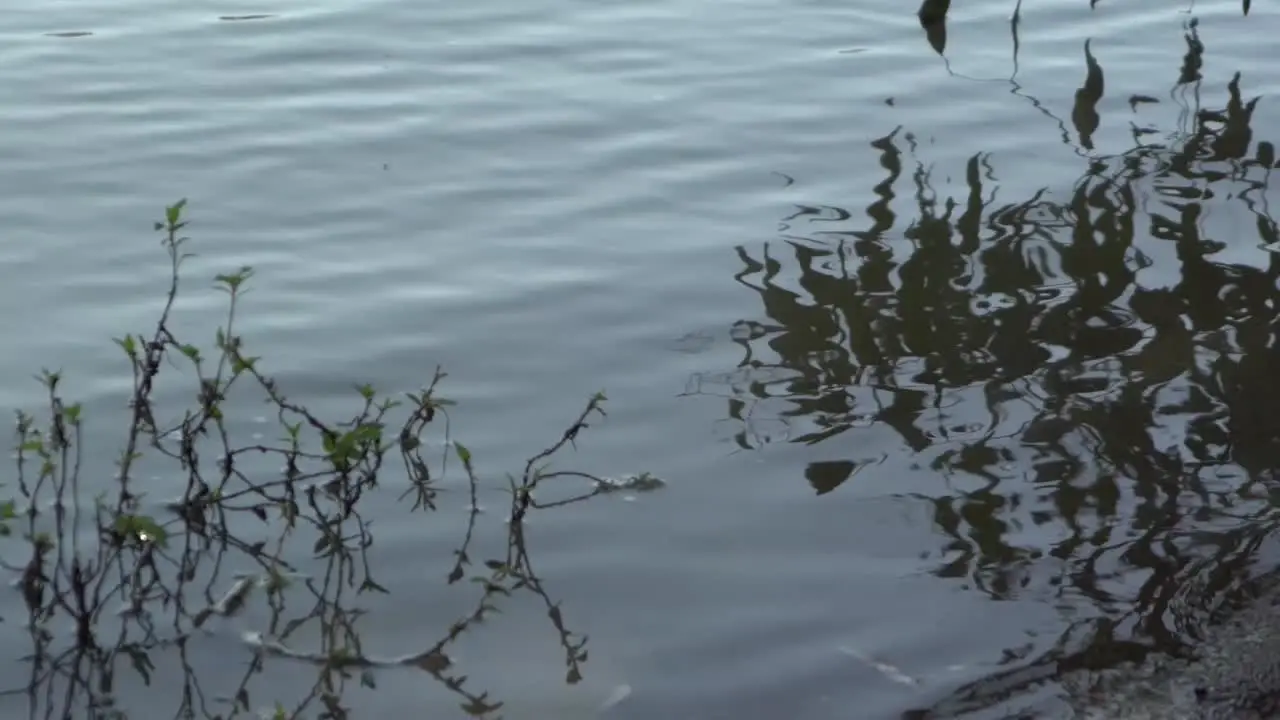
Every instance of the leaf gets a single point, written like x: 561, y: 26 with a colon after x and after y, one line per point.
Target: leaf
x: 463, y: 453
x: 240, y: 363
x: 128, y: 345
x: 372, y: 586
x: 142, y: 528
x: 141, y: 662
x: 173, y: 213
x: 434, y: 662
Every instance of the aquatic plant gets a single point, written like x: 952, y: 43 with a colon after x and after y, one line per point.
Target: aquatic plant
x: 139, y: 580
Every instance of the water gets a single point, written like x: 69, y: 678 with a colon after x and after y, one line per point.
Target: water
x: 949, y: 361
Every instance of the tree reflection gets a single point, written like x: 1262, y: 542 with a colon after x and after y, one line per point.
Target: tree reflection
x: 1020, y: 349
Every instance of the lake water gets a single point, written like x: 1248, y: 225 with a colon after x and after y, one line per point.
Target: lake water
x: 962, y: 363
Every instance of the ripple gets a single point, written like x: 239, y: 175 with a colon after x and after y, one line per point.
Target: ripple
x: 549, y: 198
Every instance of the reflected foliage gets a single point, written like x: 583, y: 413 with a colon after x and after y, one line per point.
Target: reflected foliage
x: 263, y: 567
x: 1089, y: 375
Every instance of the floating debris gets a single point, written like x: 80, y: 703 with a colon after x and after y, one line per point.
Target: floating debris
x: 620, y: 693
x: 885, y: 669
x: 644, y: 482
x: 230, y: 603
x: 692, y: 342
x: 432, y: 661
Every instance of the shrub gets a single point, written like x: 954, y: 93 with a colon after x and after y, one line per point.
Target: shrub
x: 134, y: 578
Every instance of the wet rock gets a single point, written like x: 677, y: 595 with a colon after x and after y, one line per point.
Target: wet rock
x: 1235, y: 675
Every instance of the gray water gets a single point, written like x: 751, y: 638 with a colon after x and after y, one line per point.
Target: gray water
x: 943, y: 444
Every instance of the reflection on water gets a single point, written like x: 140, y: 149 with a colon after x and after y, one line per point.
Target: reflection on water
x: 1077, y: 368
x: 1096, y: 364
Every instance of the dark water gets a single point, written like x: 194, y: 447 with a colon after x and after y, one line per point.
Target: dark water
x: 960, y: 363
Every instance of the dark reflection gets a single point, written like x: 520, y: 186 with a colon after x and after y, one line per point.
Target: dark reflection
x: 1084, y: 113
x: 1193, y: 60
x: 933, y: 18
x: 827, y: 476
x: 1033, y: 354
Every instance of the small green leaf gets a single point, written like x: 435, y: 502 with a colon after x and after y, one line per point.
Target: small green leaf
x: 463, y: 453
x: 142, y: 528
x: 173, y: 213
x: 192, y: 352
x: 240, y: 363
x: 128, y: 345
x: 233, y: 281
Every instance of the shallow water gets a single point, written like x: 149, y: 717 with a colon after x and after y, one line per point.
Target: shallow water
x: 956, y: 362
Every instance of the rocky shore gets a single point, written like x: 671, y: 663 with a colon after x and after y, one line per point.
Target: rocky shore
x: 1234, y: 675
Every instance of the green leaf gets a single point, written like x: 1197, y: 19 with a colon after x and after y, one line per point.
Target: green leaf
x: 143, y: 528
x: 173, y: 213
x: 192, y: 352
x: 463, y: 453
x: 240, y: 363
x: 128, y: 345
x: 233, y: 281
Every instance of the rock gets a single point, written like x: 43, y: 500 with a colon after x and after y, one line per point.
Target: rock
x: 1235, y: 674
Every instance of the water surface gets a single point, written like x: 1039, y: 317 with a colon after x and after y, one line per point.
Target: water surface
x: 959, y: 362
